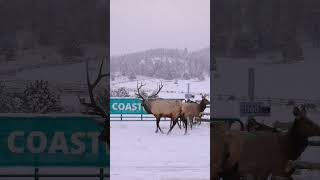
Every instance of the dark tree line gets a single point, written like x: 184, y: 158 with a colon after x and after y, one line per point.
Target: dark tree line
x: 248, y: 27
x: 162, y: 63
x: 59, y: 23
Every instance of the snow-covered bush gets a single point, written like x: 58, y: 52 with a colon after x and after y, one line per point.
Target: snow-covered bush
x: 37, y: 97
x: 120, y: 92
x: 9, y: 102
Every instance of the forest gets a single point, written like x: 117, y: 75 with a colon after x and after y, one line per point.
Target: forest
x: 66, y: 26
x: 245, y: 28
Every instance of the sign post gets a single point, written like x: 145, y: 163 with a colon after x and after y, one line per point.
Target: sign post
x: 251, y: 109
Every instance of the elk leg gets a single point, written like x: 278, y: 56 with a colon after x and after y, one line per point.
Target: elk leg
x: 191, y: 123
x: 186, y: 124
x: 174, y: 123
x: 158, y: 126
x: 179, y: 124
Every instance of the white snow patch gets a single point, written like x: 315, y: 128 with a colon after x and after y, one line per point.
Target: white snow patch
x: 138, y: 153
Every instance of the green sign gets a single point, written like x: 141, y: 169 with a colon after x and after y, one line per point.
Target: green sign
x: 126, y: 106
x: 51, y: 141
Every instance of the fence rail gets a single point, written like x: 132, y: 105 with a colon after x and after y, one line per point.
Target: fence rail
x: 149, y: 117
x: 36, y: 175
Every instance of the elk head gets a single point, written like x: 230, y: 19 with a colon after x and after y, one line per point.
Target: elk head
x: 145, y: 97
x: 204, y: 102
x: 303, y: 125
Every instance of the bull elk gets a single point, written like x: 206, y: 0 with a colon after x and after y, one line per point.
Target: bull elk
x: 262, y: 153
x: 160, y: 107
x: 94, y: 105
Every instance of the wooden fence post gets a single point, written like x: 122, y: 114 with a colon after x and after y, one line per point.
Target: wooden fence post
x: 101, y: 173
x: 36, y: 171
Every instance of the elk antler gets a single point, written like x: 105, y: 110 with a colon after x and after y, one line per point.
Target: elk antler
x: 160, y: 86
x: 97, y: 108
x: 138, y: 90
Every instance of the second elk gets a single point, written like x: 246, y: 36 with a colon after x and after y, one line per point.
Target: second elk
x: 191, y: 110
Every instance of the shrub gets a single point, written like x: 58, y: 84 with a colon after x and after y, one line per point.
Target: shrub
x: 37, y: 97
x: 121, y: 92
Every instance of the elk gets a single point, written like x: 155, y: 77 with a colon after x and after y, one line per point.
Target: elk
x: 192, y: 110
x: 218, y: 152
x: 262, y: 153
x: 95, y: 106
x: 160, y: 107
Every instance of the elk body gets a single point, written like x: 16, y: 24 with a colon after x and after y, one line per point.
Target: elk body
x: 262, y: 153
x: 160, y: 107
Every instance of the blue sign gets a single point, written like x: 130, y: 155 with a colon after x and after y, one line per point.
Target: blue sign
x: 51, y: 141
x: 126, y: 106
x: 254, y: 109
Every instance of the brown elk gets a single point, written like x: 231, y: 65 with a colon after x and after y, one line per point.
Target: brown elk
x: 190, y: 110
x: 218, y: 152
x: 262, y: 153
x: 160, y: 107
x: 95, y: 106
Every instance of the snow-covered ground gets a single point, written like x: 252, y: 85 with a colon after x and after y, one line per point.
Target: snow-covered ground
x: 138, y: 153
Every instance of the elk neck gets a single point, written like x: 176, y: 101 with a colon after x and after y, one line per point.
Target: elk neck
x: 147, y: 105
x: 202, y: 106
x: 297, y: 141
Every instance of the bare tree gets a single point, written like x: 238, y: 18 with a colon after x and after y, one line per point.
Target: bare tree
x: 94, y: 105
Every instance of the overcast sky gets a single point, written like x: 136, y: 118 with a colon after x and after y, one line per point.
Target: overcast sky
x: 144, y: 24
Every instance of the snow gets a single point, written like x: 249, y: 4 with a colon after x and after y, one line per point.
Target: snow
x: 138, y: 153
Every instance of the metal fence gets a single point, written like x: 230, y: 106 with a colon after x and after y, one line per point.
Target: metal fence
x: 36, y: 175
x: 149, y: 117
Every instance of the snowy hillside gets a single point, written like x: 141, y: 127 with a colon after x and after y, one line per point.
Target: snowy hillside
x: 170, y: 88
x: 163, y: 63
